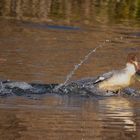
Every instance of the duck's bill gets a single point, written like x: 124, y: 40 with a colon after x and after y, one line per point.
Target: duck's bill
x: 138, y: 75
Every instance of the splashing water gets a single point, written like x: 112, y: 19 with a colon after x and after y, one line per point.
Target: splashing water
x: 76, y: 67
x: 1, y: 86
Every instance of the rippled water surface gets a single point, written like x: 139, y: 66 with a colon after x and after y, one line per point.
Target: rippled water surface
x: 41, y: 42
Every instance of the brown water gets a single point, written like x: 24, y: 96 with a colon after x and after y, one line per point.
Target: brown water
x: 42, y: 41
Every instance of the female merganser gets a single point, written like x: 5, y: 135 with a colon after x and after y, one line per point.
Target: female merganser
x: 110, y: 83
x: 118, y: 79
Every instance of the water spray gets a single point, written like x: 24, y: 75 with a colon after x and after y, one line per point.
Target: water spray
x: 79, y: 64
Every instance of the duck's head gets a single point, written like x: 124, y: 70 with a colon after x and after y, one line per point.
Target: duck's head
x: 133, y: 60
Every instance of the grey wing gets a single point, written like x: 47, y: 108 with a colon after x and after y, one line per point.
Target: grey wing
x: 93, y: 80
x: 103, y: 77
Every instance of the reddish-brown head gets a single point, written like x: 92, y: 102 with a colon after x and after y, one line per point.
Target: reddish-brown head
x: 132, y: 58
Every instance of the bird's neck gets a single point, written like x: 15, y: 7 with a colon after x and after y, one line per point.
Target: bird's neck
x: 130, y: 69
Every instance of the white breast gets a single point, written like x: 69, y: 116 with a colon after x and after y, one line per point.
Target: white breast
x: 116, y: 82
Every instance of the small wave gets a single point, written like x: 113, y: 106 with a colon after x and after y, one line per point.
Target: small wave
x: 78, y: 88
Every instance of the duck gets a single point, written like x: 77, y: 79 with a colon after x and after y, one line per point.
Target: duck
x: 110, y: 83
x: 116, y: 80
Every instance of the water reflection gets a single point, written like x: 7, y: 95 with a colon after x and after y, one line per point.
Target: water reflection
x: 73, y: 11
x: 10, y: 126
x: 120, y: 110
x: 61, y: 117
x: 35, y: 52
